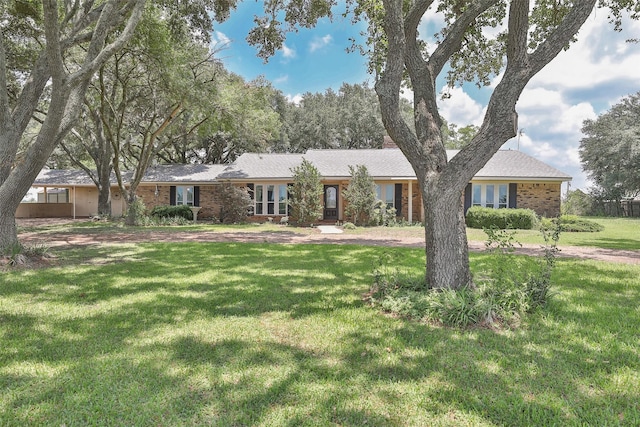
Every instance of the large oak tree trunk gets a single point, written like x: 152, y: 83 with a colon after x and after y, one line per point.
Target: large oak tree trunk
x: 446, y: 240
x: 8, y: 232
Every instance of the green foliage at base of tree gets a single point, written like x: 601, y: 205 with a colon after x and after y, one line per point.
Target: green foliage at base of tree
x: 306, y: 194
x: 136, y: 212
x: 509, y: 288
x: 522, y: 219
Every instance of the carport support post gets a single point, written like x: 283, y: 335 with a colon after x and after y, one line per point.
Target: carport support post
x: 74, y: 202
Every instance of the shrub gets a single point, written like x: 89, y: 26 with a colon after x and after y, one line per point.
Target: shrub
x: 306, y: 194
x: 383, y: 215
x: 572, y: 223
x: 349, y: 226
x: 166, y: 211
x: 479, y: 217
x: 235, y: 203
x: 360, y: 195
x: 136, y: 212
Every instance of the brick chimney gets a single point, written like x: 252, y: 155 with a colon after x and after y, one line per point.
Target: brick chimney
x: 388, y: 142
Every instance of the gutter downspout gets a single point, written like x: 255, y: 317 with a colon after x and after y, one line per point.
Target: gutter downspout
x: 410, y: 203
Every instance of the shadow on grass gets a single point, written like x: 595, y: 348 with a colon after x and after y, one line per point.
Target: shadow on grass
x: 239, y: 334
x: 612, y: 243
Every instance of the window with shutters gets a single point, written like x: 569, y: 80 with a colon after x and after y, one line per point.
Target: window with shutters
x: 185, y: 195
x: 494, y: 196
x: 386, y: 193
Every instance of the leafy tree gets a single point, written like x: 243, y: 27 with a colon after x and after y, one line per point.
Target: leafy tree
x: 455, y: 138
x: 478, y: 40
x: 347, y: 119
x: 610, y: 150
x: 577, y: 202
x: 49, y: 53
x: 43, y: 35
x: 241, y: 118
x: 360, y: 195
x: 306, y: 194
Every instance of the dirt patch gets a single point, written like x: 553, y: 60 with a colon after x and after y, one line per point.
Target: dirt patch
x: 284, y: 237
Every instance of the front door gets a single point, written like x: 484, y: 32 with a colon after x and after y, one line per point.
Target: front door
x: 330, y: 202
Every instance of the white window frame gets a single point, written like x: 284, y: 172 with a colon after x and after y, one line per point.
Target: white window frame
x: 182, y: 191
x: 490, y: 195
x: 386, y: 193
x: 270, y: 195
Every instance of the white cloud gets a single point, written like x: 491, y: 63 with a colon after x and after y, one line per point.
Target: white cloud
x: 320, y: 42
x: 219, y: 39
x: 287, y: 52
x: 296, y: 99
x: 281, y: 79
x: 460, y: 108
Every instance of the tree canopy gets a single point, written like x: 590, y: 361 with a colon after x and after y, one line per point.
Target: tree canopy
x: 610, y: 150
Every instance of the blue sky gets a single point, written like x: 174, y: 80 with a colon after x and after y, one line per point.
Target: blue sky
x: 597, y: 72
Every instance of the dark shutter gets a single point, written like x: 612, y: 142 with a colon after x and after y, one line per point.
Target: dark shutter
x: 398, y: 199
x: 172, y: 195
x: 289, y: 187
x: 513, y: 194
x: 467, y: 197
x: 251, y: 210
x: 196, y: 195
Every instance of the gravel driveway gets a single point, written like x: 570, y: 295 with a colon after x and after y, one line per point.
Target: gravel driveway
x: 78, y: 239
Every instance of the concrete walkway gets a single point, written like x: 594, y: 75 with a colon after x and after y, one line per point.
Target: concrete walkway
x: 329, y: 229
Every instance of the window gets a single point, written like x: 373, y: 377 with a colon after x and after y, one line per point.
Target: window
x: 386, y: 193
x: 54, y: 195
x: 282, y: 200
x: 490, y: 195
x: 332, y: 198
x: 184, y: 195
x: 270, y: 199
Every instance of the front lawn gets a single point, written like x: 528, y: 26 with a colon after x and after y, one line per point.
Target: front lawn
x: 618, y: 233
x: 279, y: 335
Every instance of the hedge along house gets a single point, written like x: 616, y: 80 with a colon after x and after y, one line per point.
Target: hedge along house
x: 511, y: 179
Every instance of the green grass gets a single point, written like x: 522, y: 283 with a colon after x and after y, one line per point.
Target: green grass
x: 278, y: 335
x: 618, y: 233
x: 90, y: 227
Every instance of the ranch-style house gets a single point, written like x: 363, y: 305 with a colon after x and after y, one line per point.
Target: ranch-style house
x: 511, y: 179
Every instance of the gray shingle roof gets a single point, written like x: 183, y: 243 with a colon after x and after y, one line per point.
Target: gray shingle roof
x: 262, y: 166
x: 182, y: 173
x: 387, y: 163
x: 517, y: 165
x: 381, y: 164
x: 61, y: 178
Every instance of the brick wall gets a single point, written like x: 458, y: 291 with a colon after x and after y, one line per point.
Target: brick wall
x: 208, y: 198
x: 416, y: 200
x: 543, y: 198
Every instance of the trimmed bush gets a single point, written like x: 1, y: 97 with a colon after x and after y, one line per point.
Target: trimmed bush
x: 479, y: 217
x: 182, y: 211
x: 573, y: 223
